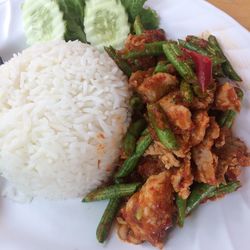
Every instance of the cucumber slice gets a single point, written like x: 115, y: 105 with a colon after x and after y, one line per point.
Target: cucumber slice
x: 46, y: 20
x: 106, y: 23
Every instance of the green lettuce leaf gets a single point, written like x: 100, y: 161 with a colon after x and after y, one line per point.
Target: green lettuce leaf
x: 73, y: 14
x: 149, y: 18
x: 133, y: 7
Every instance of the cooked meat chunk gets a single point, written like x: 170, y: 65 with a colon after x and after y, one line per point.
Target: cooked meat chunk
x: 206, y: 161
x: 156, y: 86
x: 178, y: 115
x: 165, y: 156
x: 232, y: 156
x: 149, y: 213
x: 201, y: 122
x: 150, y: 166
x: 204, y: 102
x: 137, y: 78
x: 136, y: 42
x: 226, y: 98
x: 182, y: 178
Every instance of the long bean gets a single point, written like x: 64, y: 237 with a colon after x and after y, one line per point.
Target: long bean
x: 164, y: 134
x: 131, y: 163
x: 199, y: 192
x: 138, y: 26
x: 186, y: 91
x: 122, y: 64
x: 215, y: 59
x: 161, y: 67
x: 181, y: 208
x: 132, y: 135
x: 150, y: 49
x: 136, y: 103
x: 225, y: 189
x: 175, y: 56
x: 227, y: 66
x: 111, y: 192
x: 107, y: 219
x: 228, y: 117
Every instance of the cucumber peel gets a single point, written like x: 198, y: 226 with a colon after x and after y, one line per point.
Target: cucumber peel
x: 46, y: 20
x: 106, y: 23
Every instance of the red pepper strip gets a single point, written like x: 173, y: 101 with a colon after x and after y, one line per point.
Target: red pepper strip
x: 203, y: 65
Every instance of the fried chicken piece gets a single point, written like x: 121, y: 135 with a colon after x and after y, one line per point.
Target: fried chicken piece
x: 204, y: 102
x: 136, y: 42
x: 201, y: 122
x: 137, y: 78
x: 165, y: 156
x: 182, y: 178
x: 150, y: 166
x: 226, y: 98
x: 149, y: 213
x: 205, y: 160
x: 232, y: 156
x: 178, y: 115
x: 156, y: 86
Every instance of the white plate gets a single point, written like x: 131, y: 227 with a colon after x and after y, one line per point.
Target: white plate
x: 70, y: 225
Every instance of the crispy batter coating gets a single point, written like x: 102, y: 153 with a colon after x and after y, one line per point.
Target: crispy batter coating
x: 149, y: 213
x: 226, y: 98
x: 178, y: 115
x: 201, y: 122
x: 136, y: 42
x: 232, y: 156
x: 203, y: 102
x: 182, y: 178
x: 164, y: 155
x: 150, y: 166
x: 156, y: 86
x: 137, y: 78
x: 205, y: 160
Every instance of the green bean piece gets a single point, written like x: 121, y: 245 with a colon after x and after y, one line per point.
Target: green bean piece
x: 231, y: 114
x: 129, y: 144
x: 136, y: 103
x: 239, y: 93
x: 107, y: 219
x: 181, y: 208
x: 150, y: 49
x: 122, y: 64
x: 186, y: 91
x: 218, y: 71
x: 131, y: 163
x: 111, y: 192
x: 202, y: 43
x: 175, y: 56
x: 227, y: 66
x: 197, y: 91
x: 222, y: 119
x: 228, y: 117
x: 138, y: 26
x: 164, y: 133
x: 161, y: 67
x: 134, y: 131
x: 199, y: 192
x: 215, y: 59
x: 223, y: 189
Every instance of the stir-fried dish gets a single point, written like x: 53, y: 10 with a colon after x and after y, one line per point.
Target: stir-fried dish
x: 179, y: 150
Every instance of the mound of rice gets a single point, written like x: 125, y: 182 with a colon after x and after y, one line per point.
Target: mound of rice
x: 63, y: 112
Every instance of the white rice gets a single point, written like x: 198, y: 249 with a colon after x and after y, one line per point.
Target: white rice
x: 63, y: 113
